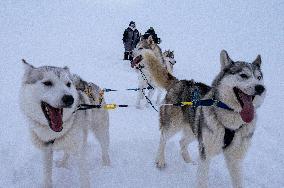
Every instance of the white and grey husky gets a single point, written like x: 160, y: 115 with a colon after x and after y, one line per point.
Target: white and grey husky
x: 49, y: 96
x: 223, y: 121
x: 167, y: 59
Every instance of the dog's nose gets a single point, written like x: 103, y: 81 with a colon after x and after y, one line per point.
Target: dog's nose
x: 68, y: 100
x: 259, y: 89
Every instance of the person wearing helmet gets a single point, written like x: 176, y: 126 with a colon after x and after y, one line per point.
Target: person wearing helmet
x: 131, y: 37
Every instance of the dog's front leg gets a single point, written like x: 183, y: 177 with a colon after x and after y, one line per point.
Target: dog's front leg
x: 234, y: 166
x: 159, y: 96
x: 47, y: 167
x: 150, y: 95
x: 63, y: 163
x: 203, y: 173
x: 139, y: 94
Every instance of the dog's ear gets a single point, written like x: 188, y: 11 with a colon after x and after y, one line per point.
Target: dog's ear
x: 225, y: 59
x: 30, y: 76
x: 257, y: 61
x: 28, y: 67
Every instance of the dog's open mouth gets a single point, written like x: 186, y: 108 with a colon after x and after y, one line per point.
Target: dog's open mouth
x: 54, y: 116
x: 247, y: 112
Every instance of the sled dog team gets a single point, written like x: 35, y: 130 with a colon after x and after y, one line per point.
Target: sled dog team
x: 223, y: 121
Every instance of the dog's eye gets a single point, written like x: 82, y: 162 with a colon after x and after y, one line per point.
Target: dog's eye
x: 259, y: 77
x: 244, y: 76
x: 47, y: 83
x: 68, y: 84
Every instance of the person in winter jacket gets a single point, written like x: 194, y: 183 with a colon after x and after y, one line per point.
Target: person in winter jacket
x: 130, y: 39
x: 151, y: 32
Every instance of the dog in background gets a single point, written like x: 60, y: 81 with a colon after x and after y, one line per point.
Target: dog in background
x: 166, y: 59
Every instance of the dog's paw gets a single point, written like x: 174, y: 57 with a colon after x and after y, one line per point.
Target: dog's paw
x: 186, y: 157
x: 47, y: 185
x: 106, y: 161
x: 147, y: 105
x: 61, y: 164
x: 160, y: 164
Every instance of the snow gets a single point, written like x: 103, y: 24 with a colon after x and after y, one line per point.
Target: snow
x: 86, y: 36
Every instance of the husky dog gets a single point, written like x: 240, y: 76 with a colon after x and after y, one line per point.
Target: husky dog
x: 170, y: 61
x: 49, y: 96
x: 166, y: 59
x: 150, y: 45
x: 227, y: 126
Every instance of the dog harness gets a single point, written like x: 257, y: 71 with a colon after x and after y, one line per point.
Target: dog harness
x: 229, y: 133
x: 229, y: 136
x: 207, y: 102
x: 212, y: 102
x: 51, y: 142
x: 88, y: 91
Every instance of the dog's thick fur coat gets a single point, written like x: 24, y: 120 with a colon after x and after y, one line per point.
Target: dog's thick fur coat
x: 239, y: 85
x: 46, y: 91
x: 166, y: 59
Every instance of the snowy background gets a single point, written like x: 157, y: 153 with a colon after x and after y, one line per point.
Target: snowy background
x: 86, y: 35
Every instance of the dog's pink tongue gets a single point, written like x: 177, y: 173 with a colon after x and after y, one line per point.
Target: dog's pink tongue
x: 247, y: 112
x: 56, y: 120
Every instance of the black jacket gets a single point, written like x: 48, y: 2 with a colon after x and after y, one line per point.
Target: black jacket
x: 130, y: 39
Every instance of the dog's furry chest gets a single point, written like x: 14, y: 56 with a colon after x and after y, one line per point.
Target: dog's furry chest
x: 70, y: 140
x: 217, y: 137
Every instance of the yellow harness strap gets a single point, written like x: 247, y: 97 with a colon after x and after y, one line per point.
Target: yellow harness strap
x: 187, y: 103
x: 110, y: 106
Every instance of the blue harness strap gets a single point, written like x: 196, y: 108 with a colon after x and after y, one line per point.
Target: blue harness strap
x: 212, y: 102
x: 207, y: 102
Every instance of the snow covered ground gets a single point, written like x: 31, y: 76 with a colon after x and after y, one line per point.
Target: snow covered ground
x: 86, y: 36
